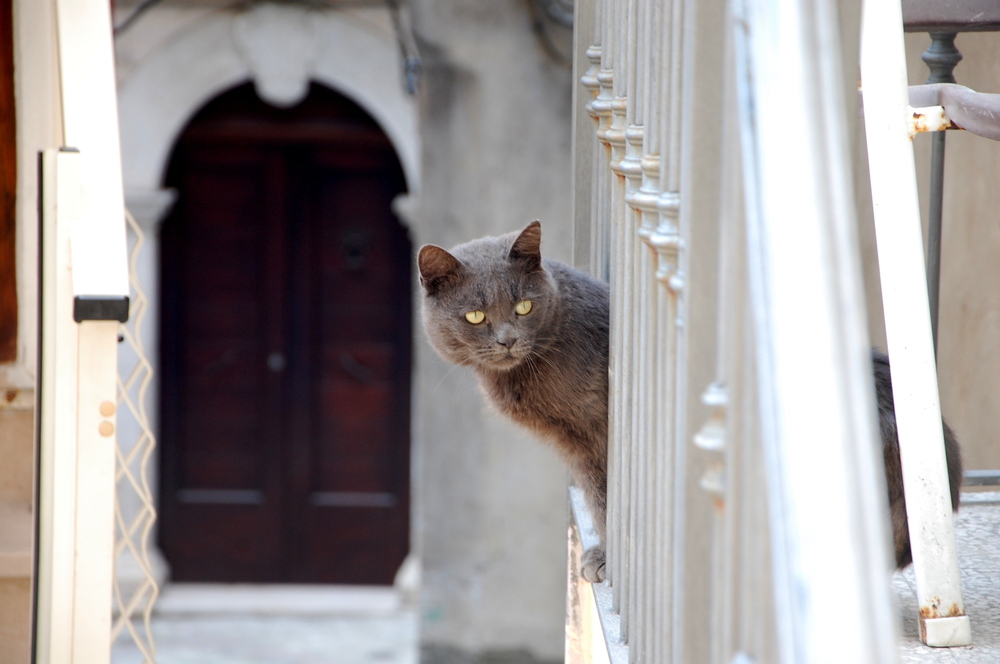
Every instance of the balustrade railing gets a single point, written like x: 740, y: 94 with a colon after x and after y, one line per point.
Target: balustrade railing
x: 713, y: 191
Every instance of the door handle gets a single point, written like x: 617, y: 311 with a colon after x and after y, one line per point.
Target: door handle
x: 276, y: 362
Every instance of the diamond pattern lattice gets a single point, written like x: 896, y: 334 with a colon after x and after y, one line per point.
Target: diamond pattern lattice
x: 135, y: 513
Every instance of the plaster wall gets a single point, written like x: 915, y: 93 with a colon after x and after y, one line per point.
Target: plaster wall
x: 39, y: 126
x: 495, y: 123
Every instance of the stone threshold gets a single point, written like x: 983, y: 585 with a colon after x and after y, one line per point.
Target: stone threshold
x: 278, y: 600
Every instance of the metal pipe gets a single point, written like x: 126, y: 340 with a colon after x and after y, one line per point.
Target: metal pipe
x: 976, y: 112
x: 934, y: 232
x: 981, y: 478
x: 941, y: 57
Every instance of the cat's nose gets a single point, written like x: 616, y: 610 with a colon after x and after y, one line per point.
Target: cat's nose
x: 506, y: 339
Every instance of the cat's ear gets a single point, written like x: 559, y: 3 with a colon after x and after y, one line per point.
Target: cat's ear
x: 438, y: 268
x: 527, y: 248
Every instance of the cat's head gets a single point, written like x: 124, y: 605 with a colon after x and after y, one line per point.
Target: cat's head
x: 488, y: 303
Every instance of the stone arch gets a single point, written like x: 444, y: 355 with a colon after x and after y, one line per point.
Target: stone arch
x: 278, y: 47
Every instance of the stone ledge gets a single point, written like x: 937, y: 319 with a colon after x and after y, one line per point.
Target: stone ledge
x: 280, y: 600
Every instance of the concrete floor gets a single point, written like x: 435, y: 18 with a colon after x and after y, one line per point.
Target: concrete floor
x: 278, y: 625
x: 977, y: 534
x: 309, y: 625
x: 279, y: 640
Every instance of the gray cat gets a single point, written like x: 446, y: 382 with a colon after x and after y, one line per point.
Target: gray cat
x: 535, y: 331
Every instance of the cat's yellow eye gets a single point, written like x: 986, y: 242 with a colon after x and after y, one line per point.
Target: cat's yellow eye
x: 523, y: 308
x: 475, y: 317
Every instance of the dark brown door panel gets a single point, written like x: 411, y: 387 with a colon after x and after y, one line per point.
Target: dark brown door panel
x: 286, y: 334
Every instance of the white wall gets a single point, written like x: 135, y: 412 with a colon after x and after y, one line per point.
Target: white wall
x: 39, y: 126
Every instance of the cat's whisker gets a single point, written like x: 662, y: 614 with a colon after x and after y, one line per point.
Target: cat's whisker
x: 543, y: 343
x: 451, y: 369
x: 530, y: 362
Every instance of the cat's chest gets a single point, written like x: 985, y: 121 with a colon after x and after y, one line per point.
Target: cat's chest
x: 515, y: 396
x: 540, y: 397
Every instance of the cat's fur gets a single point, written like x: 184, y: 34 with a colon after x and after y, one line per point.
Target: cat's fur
x: 893, y: 470
x: 548, y: 370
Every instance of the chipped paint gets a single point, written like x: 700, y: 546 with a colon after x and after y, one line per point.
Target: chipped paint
x: 927, y: 119
x: 934, y: 610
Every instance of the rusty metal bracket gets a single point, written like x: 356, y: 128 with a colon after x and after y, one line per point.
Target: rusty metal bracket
x: 926, y: 119
x: 977, y: 112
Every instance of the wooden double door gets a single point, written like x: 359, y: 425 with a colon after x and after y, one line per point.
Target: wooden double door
x: 285, y: 347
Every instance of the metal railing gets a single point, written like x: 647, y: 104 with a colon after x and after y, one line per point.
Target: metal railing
x: 963, y: 108
x: 713, y: 190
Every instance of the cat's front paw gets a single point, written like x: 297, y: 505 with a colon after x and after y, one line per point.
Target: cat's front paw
x: 592, y: 565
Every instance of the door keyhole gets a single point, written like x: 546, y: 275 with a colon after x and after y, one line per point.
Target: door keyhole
x: 276, y: 362
x: 355, y: 244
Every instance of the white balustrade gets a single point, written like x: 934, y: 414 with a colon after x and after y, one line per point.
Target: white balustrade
x: 745, y: 504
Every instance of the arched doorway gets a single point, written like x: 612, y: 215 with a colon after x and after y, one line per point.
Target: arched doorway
x: 285, y: 347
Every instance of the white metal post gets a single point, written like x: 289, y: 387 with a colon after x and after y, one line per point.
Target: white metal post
x: 90, y: 124
x: 908, y: 330
x: 95, y: 497
x: 77, y: 407
x: 57, y: 413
